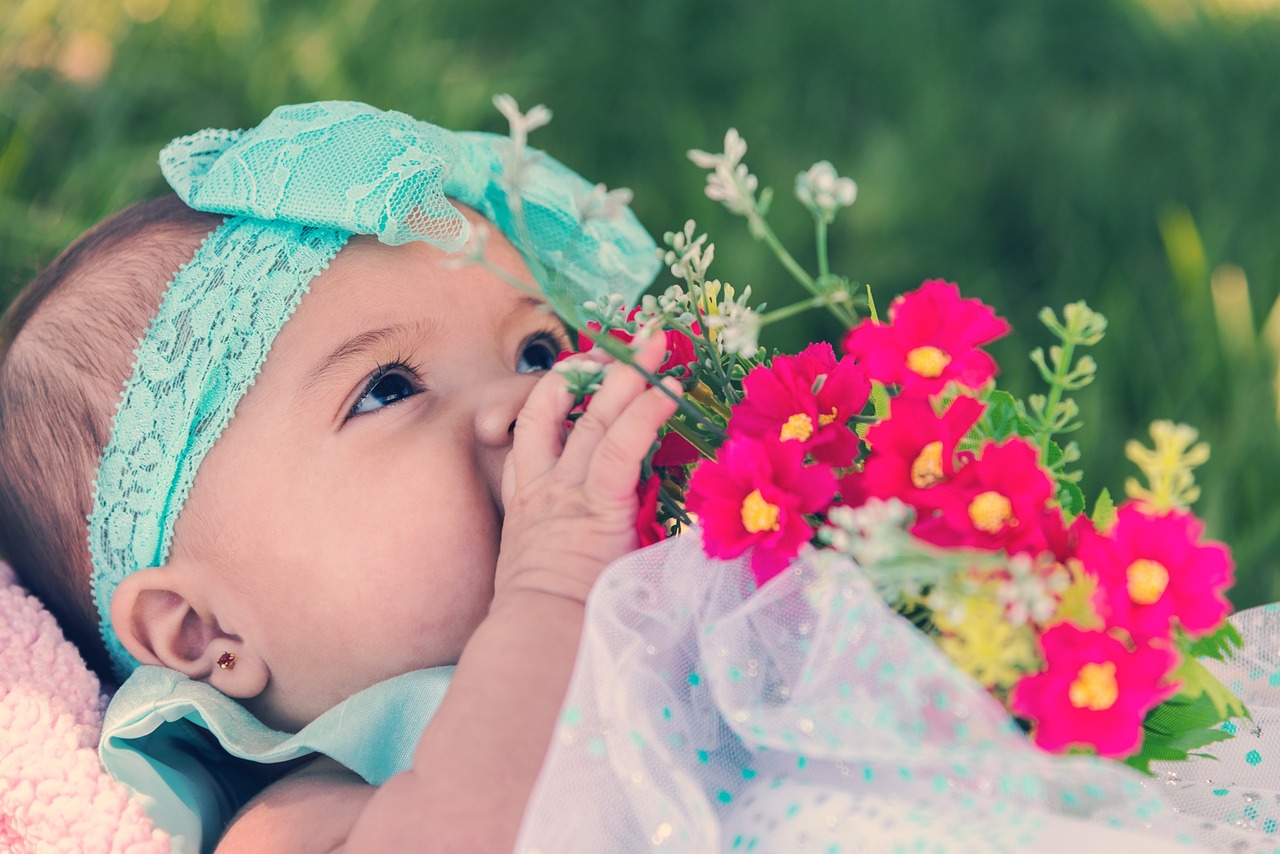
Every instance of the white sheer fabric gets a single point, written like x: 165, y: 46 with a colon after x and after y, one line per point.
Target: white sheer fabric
x: 807, y: 716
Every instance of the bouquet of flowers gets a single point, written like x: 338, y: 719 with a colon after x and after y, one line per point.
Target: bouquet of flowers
x: 958, y: 500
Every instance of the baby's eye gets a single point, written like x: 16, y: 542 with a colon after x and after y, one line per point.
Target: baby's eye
x: 539, y: 354
x: 389, y: 384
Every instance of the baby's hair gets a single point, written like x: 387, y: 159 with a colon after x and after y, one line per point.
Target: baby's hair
x: 66, y: 348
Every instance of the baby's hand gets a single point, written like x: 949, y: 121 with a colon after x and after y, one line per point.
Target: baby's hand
x: 571, y: 500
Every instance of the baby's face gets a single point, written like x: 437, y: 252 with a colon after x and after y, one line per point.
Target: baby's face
x: 351, y: 510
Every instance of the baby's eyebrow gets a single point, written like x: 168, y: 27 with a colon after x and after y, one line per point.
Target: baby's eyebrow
x: 353, y: 347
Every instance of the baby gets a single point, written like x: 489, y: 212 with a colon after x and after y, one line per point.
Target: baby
x: 346, y: 618
x: 396, y: 506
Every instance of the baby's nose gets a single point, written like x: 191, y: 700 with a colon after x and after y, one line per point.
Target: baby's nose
x: 498, y: 404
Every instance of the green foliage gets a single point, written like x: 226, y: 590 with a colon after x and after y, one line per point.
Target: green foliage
x: 1189, y: 720
x: 1221, y: 645
x: 1104, y: 511
x: 1005, y: 417
x: 988, y: 147
x: 1001, y: 418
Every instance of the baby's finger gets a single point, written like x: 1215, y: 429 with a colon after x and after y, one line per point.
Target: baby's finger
x: 540, y: 431
x: 615, y: 466
x: 622, y: 385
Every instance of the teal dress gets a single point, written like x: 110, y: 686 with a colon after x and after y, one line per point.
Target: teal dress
x: 193, y: 756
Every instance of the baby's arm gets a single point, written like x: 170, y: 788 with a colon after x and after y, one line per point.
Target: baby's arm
x: 570, y: 509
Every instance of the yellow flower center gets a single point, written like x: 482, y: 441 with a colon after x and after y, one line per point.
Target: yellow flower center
x: 1147, y: 581
x: 928, y: 361
x: 798, y: 427
x: 1095, y: 687
x: 759, y: 515
x: 927, y: 468
x: 829, y: 418
x: 990, y: 511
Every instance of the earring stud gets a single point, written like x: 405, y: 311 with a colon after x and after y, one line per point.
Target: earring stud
x: 227, y: 660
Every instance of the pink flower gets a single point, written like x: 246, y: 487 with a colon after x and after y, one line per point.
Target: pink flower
x: 931, y: 339
x: 781, y: 403
x: 1153, y: 570
x: 913, y: 451
x: 996, y: 502
x: 756, y: 493
x: 1093, y: 692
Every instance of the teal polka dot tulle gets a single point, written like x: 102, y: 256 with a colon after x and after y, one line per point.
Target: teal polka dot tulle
x: 808, y: 717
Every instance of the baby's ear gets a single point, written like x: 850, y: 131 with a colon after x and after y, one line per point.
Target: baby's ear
x: 162, y: 617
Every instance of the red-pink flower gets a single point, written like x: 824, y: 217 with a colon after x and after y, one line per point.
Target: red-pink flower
x: 756, y: 493
x: 648, y: 528
x: 781, y: 403
x: 1154, y: 570
x: 913, y: 451
x: 680, y: 350
x: 931, y: 339
x: 996, y: 502
x: 673, y: 451
x: 1093, y: 692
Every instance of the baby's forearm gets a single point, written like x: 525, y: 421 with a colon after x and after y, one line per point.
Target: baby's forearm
x: 477, y: 761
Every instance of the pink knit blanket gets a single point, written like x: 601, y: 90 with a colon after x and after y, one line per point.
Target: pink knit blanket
x: 53, y: 794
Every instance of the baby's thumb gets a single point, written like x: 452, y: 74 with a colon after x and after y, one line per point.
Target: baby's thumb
x: 508, y: 489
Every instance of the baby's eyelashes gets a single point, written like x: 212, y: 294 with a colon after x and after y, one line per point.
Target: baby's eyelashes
x: 389, y: 384
x: 397, y: 380
x: 538, y: 354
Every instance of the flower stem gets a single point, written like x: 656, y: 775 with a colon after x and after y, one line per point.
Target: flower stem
x: 820, y: 237
x: 1055, y: 392
x: 794, y: 309
x: 689, y: 434
x: 792, y: 265
x: 704, y: 395
x: 841, y: 312
x: 622, y: 352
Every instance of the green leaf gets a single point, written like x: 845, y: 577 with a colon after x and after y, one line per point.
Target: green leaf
x: 1104, y: 511
x: 1196, y: 682
x: 1142, y: 760
x: 1182, y: 714
x: 1196, y: 738
x: 1175, y: 728
x: 880, y: 403
x: 1221, y: 645
x: 1070, y: 498
x: 1001, y: 420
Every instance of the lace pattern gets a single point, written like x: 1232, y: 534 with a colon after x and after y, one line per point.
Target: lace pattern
x: 199, y: 356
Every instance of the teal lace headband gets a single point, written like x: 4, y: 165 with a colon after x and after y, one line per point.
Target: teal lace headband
x: 296, y: 188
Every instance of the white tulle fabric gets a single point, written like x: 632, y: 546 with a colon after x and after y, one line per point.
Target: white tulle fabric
x: 807, y: 716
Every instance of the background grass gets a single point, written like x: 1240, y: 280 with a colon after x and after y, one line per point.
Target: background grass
x: 1036, y: 153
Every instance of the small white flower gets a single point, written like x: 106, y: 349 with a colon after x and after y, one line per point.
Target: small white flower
x: 737, y: 328
x: 583, y: 376
x: 870, y: 534
x: 521, y: 123
x: 1029, y: 593
x: 729, y: 183
x: 676, y: 302
x: 603, y: 203
x: 687, y: 257
x: 824, y: 192
x: 735, y: 147
x: 946, y: 603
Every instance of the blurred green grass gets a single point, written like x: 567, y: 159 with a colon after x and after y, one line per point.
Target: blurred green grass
x: 1036, y: 153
